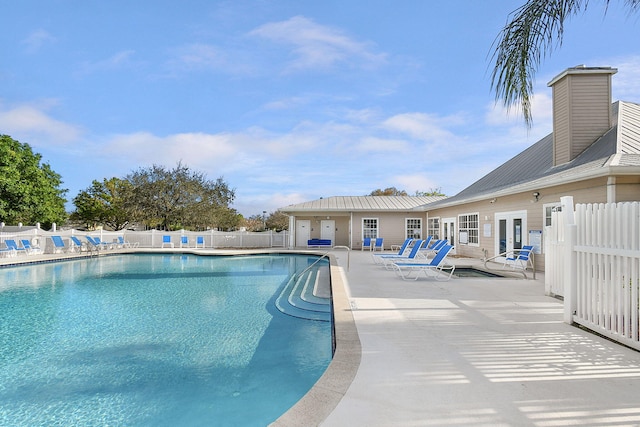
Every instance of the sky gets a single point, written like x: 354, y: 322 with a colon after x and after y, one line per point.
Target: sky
x: 286, y: 100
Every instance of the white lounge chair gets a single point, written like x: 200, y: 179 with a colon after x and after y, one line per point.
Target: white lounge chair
x: 434, y: 268
x: 387, y: 259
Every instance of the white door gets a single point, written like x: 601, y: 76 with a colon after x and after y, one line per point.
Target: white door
x: 449, y: 230
x: 303, y: 232
x: 512, y: 231
x: 328, y: 230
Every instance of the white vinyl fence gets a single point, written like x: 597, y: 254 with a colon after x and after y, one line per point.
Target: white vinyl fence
x: 150, y: 239
x: 596, y: 265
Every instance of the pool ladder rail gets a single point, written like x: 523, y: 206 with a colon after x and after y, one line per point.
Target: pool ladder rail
x: 301, y: 297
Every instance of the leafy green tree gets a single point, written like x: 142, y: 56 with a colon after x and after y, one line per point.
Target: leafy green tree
x: 390, y: 191
x: 179, y: 198
x: 105, y: 203
x: 29, y: 190
x: 533, y: 31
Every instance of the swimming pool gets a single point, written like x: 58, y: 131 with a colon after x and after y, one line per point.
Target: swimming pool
x: 154, y: 340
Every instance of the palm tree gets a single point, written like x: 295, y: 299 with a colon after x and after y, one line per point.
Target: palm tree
x: 532, y: 32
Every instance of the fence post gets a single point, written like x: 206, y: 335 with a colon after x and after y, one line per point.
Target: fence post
x: 570, y: 273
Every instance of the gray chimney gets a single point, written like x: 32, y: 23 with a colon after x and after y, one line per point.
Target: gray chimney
x: 581, y: 109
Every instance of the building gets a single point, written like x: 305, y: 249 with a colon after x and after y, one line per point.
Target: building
x: 593, y: 154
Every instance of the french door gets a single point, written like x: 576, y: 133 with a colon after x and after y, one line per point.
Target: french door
x: 511, y: 231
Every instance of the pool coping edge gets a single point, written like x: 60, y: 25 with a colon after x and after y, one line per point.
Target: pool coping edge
x: 316, y: 405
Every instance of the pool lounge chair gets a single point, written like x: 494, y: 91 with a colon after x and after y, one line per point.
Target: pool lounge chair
x: 388, y: 259
x: 401, y: 249
x: 378, y: 245
x: 58, y: 245
x: 430, y: 250
x: 76, y: 245
x: 184, y: 241
x: 435, y: 268
x: 200, y: 242
x: 95, y: 243
x: 11, y: 244
x: 166, y: 240
x: 127, y: 244
x: 7, y: 252
x: 31, y: 249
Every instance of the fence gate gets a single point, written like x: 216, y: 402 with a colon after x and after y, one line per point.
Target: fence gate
x: 597, y: 259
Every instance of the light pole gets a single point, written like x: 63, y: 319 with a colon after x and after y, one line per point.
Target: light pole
x: 264, y: 220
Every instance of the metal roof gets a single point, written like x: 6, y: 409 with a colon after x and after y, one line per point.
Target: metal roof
x: 362, y: 203
x: 533, y: 168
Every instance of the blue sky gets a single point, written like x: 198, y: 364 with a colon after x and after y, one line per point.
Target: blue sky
x: 287, y: 100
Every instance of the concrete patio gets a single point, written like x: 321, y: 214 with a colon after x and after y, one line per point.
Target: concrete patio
x: 477, y: 352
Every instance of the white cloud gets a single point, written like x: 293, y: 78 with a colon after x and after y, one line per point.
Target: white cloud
x: 626, y: 84
x: 118, y: 60
x: 316, y: 46
x: 37, y: 39
x: 31, y: 123
x: 424, y: 127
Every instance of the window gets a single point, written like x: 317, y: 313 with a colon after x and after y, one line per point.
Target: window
x: 548, y: 208
x: 369, y: 228
x: 468, y: 227
x: 413, y: 228
x: 433, y: 227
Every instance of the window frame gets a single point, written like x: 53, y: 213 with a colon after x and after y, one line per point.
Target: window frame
x: 433, y: 227
x: 376, y: 228
x: 413, y: 235
x: 465, y: 225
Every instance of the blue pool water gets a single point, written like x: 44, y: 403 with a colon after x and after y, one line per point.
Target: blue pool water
x: 154, y: 340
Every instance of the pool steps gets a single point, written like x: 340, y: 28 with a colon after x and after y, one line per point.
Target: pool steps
x: 300, y: 297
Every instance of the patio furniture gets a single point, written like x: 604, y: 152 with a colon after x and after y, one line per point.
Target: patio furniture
x: 58, y: 245
x: 166, y: 240
x: 319, y: 243
x: 11, y: 244
x: 31, y: 249
x: 519, y: 258
x: 379, y: 244
x: 401, y: 249
x: 388, y: 259
x: 366, y: 243
x: 434, y: 268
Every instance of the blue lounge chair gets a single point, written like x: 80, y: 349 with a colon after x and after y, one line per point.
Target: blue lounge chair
x: 95, y: 243
x: 388, y: 259
x: 166, y: 240
x: 184, y: 241
x: 366, y: 243
x: 11, y: 244
x: 434, y: 268
x: 401, y: 250
x: 77, y: 245
x: 58, y: 244
x: 7, y: 252
x: 519, y: 258
x: 200, y: 242
x: 429, y: 250
x: 31, y: 249
x: 379, y: 245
